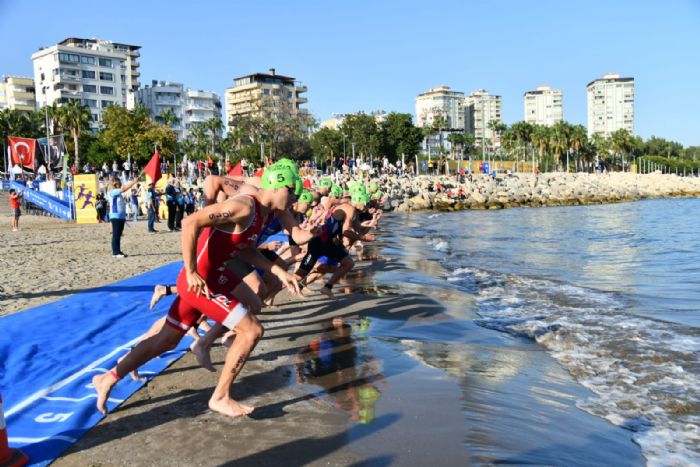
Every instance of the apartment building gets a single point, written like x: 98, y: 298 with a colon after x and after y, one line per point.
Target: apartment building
x: 610, y: 105
x: 440, y: 101
x: 480, y: 108
x: 263, y: 93
x: 544, y: 106
x: 17, y: 93
x: 96, y: 72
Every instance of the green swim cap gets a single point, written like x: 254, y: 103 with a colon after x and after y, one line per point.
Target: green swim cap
x: 359, y: 198
x: 336, y: 191
x: 358, y: 188
x: 325, y: 182
x: 277, y: 177
x: 298, y: 187
x: 306, y: 197
x: 284, y: 162
x: 373, y: 187
x: 378, y: 194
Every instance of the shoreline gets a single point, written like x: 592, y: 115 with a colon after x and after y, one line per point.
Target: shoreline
x: 529, y: 190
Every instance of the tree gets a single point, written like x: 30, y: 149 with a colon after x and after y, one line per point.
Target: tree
x: 326, y: 143
x: 498, y: 128
x: 399, y: 136
x: 75, y: 117
x: 132, y: 132
x: 621, y: 144
x: 362, y: 130
x: 168, y: 118
x: 214, y: 126
x: 559, y: 140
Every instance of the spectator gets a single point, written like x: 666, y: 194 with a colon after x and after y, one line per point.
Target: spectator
x: 171, y: 201
x: 152, y: 207
x: 15, y: 198
x: 101, y: 208
x: 134, y: 204
x: 180, y: 199
x: 117, y: 213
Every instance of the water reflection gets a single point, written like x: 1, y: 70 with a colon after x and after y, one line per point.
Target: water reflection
x: 341, y: 362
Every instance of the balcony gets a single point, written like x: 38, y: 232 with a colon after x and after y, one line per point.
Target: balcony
x: 135, y: 74
x: 135, y: 64
x: 29, y: 96
x: 69, y: 93
x: 63, y: 78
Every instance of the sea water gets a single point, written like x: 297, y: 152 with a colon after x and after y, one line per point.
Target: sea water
x: 610, y: 292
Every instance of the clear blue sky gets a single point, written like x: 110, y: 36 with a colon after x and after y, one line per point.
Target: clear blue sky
x: 369, y: 55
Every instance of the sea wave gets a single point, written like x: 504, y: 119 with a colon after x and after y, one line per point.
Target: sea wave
x: 644, y: 373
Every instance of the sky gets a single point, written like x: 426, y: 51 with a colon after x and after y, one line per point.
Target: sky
x: 369, y: 55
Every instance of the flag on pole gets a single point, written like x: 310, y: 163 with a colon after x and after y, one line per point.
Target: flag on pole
x: 236, y: 171
x: 153, y: 168
x: 22, y: 151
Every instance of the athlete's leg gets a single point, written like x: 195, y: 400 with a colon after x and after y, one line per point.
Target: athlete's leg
x: 346, y: 264
x: 248, y: 333
x: 166, y: 339
x: 160, y: 291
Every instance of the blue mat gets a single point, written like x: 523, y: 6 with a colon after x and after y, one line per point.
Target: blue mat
x: 49, y: 354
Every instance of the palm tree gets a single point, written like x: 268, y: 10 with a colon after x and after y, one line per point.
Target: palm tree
x: 578, y: 139
x: 621, y: 142
x: 168, y: 118
x: 498, y: 128
x: 75, y: 118
x: 215, y: 126
x: 198, y: 133
x: 559, y: 139
x: 540, y: 139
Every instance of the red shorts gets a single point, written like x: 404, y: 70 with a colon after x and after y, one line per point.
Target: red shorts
x: 222, y: 307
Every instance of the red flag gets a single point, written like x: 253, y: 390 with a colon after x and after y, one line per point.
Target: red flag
x: 260, y: 172
x: 236, y: 171
x: 22, y: 150
x: 153, y: 168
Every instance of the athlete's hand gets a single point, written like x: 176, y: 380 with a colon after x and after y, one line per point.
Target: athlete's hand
x: 368, y: 238
x: 290, y: 282
x: 197, y: 284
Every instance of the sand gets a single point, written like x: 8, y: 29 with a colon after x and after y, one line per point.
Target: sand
x: 168, y: 421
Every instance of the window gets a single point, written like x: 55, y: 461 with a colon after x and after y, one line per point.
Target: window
x: 106, y: 104
x: 87, y: 60
x: 70, y: 58
x: 109, y: 90
x: 266, y: 92
x: 89, y: 88
x: 95, y: 117
x: 88, y: 74
x: 55, y: 72
x: 92, y: 103
x: 106, y: 76
x: 106, y: 62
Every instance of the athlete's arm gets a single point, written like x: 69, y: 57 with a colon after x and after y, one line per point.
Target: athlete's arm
x: 252, y: 256
x: 129, y: 185
x: 291, y: 225
x: 233, y: 211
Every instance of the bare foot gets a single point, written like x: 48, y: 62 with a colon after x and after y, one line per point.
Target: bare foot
x: 135, y: 373
x: 158, y: 293
x: 103, y: 385
x: 229, y: 407
x: 327, y: 292
x: 202, y: 356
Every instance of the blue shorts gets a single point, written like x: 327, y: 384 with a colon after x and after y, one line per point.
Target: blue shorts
x: 327, y: 260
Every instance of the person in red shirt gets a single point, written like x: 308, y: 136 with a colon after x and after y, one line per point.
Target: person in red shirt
x: 14, y: 205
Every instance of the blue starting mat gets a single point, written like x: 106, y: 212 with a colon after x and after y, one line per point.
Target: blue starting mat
x: 49, y: 354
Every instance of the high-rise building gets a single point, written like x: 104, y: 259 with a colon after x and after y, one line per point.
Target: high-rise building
x: 17, y: 93
x: 610, y: 105
x: 440, y: 101
x: 480, y: 108
x: 260, y: 93
x: 544, y: 106
x: 96, y: 72
x: 188, y: 106
x: 198, y: 107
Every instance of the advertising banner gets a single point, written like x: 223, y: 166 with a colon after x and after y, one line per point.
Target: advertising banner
x: 85, y: 191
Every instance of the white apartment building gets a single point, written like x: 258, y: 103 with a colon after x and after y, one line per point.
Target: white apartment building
x: 610, y: 105
x: 440, y: 101
x: 189, y: 106
x: 17, y: 93
x: 544, y: 106
x: 480, y: 108
x: 99, y: 73
x: 268, y: 92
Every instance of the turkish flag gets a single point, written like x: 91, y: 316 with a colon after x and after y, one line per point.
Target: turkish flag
x: 236, y: 171
x: 22, y: 150
x: 153, y: 168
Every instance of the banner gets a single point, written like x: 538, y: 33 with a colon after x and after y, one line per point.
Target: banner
x: 48, y: 203
x: 53, y: 149
x: 22, y: 151
x: 160, y: 189
x: 85, y: 191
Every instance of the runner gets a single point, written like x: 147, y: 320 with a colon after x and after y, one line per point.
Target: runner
x: 209, y: 238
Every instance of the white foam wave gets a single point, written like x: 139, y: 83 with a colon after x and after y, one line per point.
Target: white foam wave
x: 645, y: 374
